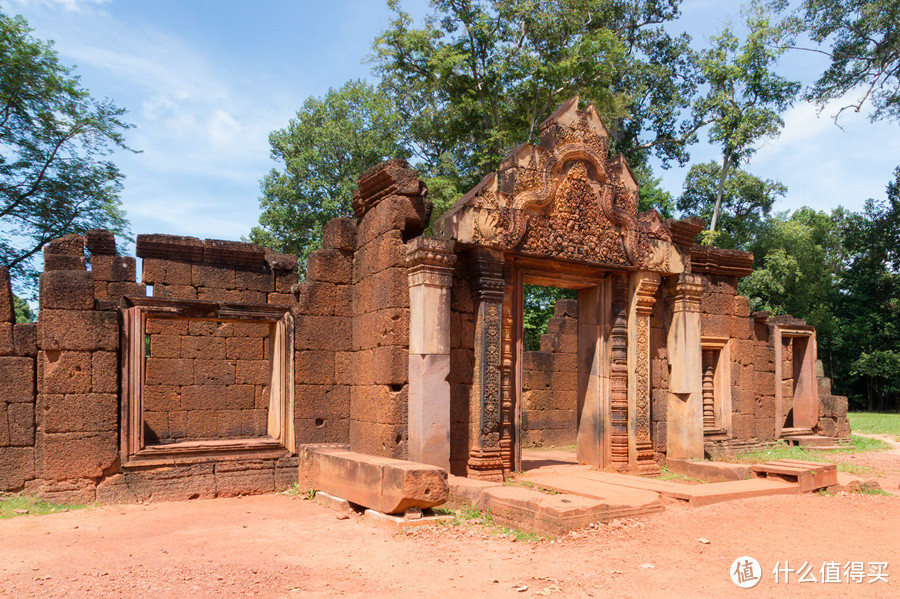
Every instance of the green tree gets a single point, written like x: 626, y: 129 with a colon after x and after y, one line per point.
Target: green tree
x: 23, y: 311
x: 55, y: 141
x: 321, y: 153
x: 478, y: 77
x: 867, y: 341
x: 744, y: 202
x: 745, y: 95
x: 864, y: 43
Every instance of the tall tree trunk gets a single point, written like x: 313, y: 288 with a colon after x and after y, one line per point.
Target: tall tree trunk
x: 726, y: 164
x: 870, y: 400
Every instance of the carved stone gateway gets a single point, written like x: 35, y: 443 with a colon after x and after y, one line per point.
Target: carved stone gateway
x: 564, y: 213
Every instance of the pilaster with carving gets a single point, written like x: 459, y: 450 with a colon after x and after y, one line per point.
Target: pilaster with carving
x: 644, y: 299
x: 618, y: 376
x: 485, y: 453
x: 507, y: 417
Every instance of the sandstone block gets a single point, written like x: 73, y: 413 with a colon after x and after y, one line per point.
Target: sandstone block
x: 340, y: 234
x: 66, y: 290
x: 314, y: 367
x: 162, y: 398
x: 25, y: 338
x: 16, y: 380
x: 64, y: 372
x: 407, y: 214
x: 165, y: 346
x: 216, y: 372
x: 113, y: 268
x: 21, y: 424
x: 16, y: 467
x: 7, y: 314
x: 328, y: 265
x: 81, y: 413
x: 215, y: 276
x: 244, y: 478
x: 205, y: 348
x: 78, y: 330
x: 169, y: 371
x: 166, y: 326
x: 69, y: 245
x: 254, y: 279
x: 7, y: 341
x: 159, y: 484
x: 253, y: 372
x: 386, y: 485
x: 76, y: 455
x: 63, y: 262
x: 119, y: 289
x: 254, y: 423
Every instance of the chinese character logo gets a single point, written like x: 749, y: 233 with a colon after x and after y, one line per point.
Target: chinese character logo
x: 745, y: 572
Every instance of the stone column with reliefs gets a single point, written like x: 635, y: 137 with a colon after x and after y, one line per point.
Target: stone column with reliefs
x: 643, y: 296
x: 485, y: 456
x: 430, y: 264
x: 684, y: 412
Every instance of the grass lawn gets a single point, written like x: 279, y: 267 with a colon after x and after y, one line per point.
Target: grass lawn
x: 870, y: 422
x: 19, y: 505
x: 783, y: 451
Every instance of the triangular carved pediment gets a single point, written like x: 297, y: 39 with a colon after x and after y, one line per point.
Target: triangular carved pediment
x: 564, y: 198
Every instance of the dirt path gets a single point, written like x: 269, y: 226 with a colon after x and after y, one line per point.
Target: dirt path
x: 277, y: 546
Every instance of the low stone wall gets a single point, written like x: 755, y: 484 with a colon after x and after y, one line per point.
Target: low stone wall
x: 550, y: 382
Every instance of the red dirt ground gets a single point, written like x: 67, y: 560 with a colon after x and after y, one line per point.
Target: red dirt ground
x: 280, y: 546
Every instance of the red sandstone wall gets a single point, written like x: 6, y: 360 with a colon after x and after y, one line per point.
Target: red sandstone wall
x: 550, y: 385
x: 391, y: 209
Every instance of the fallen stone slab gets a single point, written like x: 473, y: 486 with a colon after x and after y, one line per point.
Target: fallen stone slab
x: 713, y: 472
x: 382, y: 484
x: 395, y: 524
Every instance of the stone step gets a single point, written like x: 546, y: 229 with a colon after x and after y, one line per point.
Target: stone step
x: 810, y: 476
x: 816, y: 441
x: 795, y: 432
x: 589, y: 483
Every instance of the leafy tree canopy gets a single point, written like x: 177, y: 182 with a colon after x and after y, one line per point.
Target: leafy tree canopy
x: 746, y: 202
x: 55, y: 141
x: 321, y: 153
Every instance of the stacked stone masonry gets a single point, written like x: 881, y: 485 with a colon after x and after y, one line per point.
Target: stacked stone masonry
x: 238, y: 361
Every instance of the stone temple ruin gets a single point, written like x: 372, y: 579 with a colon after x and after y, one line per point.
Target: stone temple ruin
x: 212, y: 373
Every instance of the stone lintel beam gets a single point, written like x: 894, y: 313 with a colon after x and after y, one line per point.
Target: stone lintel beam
x: 430, y: 264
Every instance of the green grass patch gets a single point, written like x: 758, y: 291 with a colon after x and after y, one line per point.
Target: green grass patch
x: 864, y: 490
x: 667, y: 474
x: 470, y: 515
x: 22, y: 505
x: 874, y: 423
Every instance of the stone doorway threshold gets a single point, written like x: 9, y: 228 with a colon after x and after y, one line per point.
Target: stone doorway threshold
x: 555, y: 495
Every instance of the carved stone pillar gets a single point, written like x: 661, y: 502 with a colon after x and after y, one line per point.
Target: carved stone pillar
x: 684, y: 411
x: 485, y: 455
x: 643, y: 296
x: 430, y: 269
x: 618, y: 375
x: 507, y: 417
x: 709, y: 389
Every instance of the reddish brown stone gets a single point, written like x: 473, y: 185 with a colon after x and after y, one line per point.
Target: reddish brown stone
x: 314, y: 367
x: 216, y: 372
x: 100, y: 242
x: 206, y: 347
x: 254, y: 423
x: 169, y: 247
x: 385, y: 251
x: 742, y: 307
x: 254, y: 279
x: 244, y: 348
x: 155, y: 271
x: 202, y: 424
x: 340, y: 234
x: 240, y: 397
x: 253, y: 297
x: 333, y: 266
x: 165, y: 346
x: 251, y: 329
x: 16, y: 467
x: 384, y: 327
x: 175, y: 291
x: 64, y: 371
x: 281, y: 299
x: 7, y: 313
x: 162, y: 398
x: 316, y: 297
x: 321, y: 333
x: 216, y: 294
x: 253, y: 372
x: 64, y: 456
x: 206, y: 275
x: 262, y: 397
x: 79, y: 413
x: 21, y: 424
x: 70, y: 245
x: 17, y: 376
x: 7, y: 341
x: 169, y: 371
x: 229, y: 423
x: 63, y: 262
x: 120, y: 289
x: 204, y: 397
x: 374, y: 438
x: 383, y: 404
x: 78, y: 330
x: 181, y: 483
x: 166, y: 326
x: 105, y: 372
x: 234, y: 479
x: 66, y: 290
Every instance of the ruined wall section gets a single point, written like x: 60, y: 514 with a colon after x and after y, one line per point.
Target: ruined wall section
x: 323, y: 323
x: 750, y: 366
x: 659, y: 375
x: 18, y: 351
x: 550, y: 381
x: 391, y: 209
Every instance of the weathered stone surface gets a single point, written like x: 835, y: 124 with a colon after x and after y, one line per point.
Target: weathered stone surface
x: 25, y: 338
x: 63, y: 456
x: 73, y: 490
x: 244, y: 478
x: 64, y: 371
x: 382, y: 484
x: 16, y: 467
x: 100, y: 242
x: 340, y: 234
x: 17, y: 376
x: 7, y: 341
x: 66, y: 290
x: 78, y: 330
x: 178, y: 483
x: 7, y: 314
x: 69, y: 245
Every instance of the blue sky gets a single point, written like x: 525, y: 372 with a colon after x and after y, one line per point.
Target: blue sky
x: 205, y: 82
